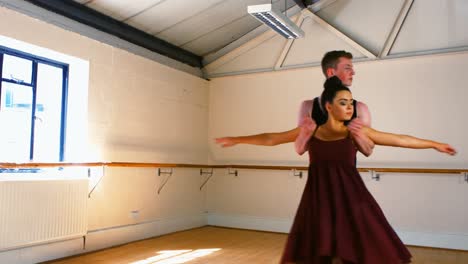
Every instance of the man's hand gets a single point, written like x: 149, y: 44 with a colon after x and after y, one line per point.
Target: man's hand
x: 307, y: 124
x: 364, y: 144
x: 307, y: 127
x: 355, y: 126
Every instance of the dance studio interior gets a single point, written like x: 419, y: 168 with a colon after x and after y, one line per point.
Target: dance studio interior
x: 113, y: 112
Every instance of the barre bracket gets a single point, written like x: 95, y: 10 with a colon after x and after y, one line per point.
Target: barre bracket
x: 297, y: 173
x: 161, y: 172
x: 374, y: 175
x: 100, y: 178
x: 209, y: 173
x: 235, y: 173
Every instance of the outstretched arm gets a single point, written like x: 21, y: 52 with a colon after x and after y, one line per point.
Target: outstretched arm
x: 264, y: 139
x: 269, y: 139
x: 364, y: 144
x: 405, y: 141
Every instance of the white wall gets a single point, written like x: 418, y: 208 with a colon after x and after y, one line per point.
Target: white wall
x: 422, y: 96
x: 137, y: 110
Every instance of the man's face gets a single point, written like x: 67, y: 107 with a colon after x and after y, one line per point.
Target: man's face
x: 345, y: 71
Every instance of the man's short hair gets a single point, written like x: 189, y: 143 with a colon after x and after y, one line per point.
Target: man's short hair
x: 331, y: 59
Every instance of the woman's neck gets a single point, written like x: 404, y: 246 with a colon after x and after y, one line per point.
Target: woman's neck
x: 335, y: 125
x: 332, y: 129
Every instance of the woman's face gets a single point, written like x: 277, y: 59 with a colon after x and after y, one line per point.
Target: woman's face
x: 342, y: 107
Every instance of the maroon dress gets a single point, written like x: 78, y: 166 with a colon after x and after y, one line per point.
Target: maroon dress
x: 337, y: 216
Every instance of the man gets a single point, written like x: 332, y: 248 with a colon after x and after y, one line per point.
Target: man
x: 334, y: 63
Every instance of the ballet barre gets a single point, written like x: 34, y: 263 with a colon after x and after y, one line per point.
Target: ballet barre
x: 232, y: 169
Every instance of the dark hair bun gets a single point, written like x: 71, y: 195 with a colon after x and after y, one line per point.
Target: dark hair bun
x: 332, y: 83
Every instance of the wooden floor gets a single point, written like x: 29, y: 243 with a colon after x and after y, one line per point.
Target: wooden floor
x: 214, y: 245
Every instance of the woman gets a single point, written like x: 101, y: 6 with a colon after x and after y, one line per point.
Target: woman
x: 338, y: 220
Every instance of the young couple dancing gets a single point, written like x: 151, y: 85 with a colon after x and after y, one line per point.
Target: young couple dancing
x: 338, y: 221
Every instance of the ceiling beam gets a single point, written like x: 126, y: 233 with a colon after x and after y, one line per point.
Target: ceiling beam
x: 288, y: 45
x: 396, y: 28
x: 338, y: 33
x: 212, y: 66
x: 90, y: 17
x: 234, y: 45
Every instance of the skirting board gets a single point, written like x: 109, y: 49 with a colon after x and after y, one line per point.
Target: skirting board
x: 100, y: 239
x: 105, y: 238
x: 424, y: 239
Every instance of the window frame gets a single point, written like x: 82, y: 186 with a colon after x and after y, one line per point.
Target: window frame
x: 64, y: 104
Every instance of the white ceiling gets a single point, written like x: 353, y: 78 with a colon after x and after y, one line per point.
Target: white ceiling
x: 199, y: 26
x: 233, y: 42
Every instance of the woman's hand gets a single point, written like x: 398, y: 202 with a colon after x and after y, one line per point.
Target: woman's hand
x: 445, y: 148
x: 226, y: 141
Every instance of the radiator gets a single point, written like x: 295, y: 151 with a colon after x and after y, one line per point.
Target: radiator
x: 41, y: 211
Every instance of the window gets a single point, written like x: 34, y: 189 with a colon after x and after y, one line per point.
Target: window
x: 33, y: 107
